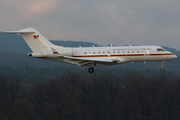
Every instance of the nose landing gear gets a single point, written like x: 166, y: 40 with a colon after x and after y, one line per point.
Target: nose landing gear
x: 162, y: 65
x: 161, y: 69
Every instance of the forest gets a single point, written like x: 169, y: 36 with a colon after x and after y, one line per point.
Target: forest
x: 35, y: 89
x: 111, y: 93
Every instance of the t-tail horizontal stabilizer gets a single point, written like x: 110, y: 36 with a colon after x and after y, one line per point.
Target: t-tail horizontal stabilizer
x: 18, y: 32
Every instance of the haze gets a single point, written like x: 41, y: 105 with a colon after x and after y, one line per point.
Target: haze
x: 118, y: 22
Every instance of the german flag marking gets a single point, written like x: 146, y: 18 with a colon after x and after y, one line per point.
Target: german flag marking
x: 36, y: 36
x: 56, y: 53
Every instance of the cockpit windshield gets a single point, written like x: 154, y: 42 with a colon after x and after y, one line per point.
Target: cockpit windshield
x: 160, y: 49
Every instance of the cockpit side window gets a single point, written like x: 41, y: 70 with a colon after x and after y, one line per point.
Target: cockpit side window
x: 160, y: 49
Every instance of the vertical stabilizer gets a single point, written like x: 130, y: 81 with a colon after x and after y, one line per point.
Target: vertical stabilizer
x: 35, y: 40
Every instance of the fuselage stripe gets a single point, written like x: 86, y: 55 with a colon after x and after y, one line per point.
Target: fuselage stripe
x: 126, y: 55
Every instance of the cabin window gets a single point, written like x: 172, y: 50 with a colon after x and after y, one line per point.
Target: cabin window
x: 137, y: 51
x: 114, y: 52
x: 118, y: 52
x: 103, y: 52
x: 123, y: 51
x: 93, y: 52
x: 99, y: 52
x: 127, y: 51
x: 160, y: 49
x: 132, y: 51
x: 84, y: 52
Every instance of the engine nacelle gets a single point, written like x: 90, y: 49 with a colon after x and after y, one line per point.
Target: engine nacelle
x: 41, y: 54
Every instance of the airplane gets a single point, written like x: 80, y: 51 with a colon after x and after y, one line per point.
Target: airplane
x: 91, y: 56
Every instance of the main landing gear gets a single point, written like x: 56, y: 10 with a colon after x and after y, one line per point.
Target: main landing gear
x: 91, y: 70
x: 162, y: 65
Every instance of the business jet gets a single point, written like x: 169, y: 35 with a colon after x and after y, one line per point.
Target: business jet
x: 91, y: 56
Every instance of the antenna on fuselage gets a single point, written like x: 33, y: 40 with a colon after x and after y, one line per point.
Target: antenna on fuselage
x: 111, y: 45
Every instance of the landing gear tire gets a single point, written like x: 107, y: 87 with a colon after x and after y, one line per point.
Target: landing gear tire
x: 162, y: 69
x: 91, y: 70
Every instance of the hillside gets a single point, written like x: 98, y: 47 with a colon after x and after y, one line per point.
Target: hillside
x: 14, y: 51
x: 15, y: 43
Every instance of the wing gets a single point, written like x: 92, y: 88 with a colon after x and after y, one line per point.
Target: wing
x: 85, y: 61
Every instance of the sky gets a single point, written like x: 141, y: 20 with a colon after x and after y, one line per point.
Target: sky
x: 117, y: 22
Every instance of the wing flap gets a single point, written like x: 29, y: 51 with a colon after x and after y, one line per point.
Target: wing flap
x: 85, y: 59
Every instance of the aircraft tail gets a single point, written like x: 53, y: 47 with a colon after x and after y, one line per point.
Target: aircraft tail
x: 35, y: 40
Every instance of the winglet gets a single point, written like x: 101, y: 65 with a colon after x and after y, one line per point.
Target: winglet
x: 54, y: 51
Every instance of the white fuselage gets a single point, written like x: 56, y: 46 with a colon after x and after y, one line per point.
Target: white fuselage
x: 91, y: 56
x: 119, y: 54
